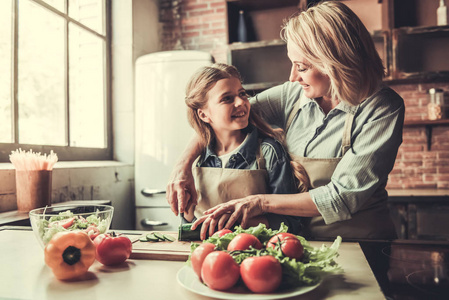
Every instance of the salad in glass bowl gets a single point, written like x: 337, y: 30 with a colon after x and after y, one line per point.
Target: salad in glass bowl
x: 92, y: 219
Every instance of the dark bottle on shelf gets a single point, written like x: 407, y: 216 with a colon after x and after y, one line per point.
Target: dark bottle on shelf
x: 242, y: 34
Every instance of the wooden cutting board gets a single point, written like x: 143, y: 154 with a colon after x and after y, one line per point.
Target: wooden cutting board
x: 177, y: 250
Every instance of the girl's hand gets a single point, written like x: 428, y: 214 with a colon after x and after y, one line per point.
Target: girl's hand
x: 244, y: 209
x: 210, y: 224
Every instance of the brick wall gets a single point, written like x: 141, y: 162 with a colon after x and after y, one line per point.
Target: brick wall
x: 416, y: 166
x: 202, y: 26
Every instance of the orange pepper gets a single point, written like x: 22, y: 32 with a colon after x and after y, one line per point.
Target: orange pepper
x: 70, y: 254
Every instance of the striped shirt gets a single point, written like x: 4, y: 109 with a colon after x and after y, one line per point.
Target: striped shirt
x: 375, y: 138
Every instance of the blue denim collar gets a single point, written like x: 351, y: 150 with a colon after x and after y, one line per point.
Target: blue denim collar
x: 246, y: 153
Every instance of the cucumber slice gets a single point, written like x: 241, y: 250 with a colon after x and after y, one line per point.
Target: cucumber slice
x: 143, y: 239
x: 169, y: 238
x: 152, y: 238
x: 160, y: 236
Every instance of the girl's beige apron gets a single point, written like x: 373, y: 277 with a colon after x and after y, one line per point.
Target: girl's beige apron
x: 372, y: 221
x: 219, y: 185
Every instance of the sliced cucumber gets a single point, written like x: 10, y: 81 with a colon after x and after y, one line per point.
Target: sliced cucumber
x: 143, y: 239
x: 169, y: 238
x: 157, y: 237
x: 160, y: 236
x: 152, y: 238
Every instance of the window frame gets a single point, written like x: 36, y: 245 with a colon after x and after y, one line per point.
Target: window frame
x: 65, y: 153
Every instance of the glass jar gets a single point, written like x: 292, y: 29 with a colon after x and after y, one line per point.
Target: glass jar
x: 437, y: 108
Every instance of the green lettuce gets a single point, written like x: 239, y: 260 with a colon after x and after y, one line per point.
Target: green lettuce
x: 316, y: 263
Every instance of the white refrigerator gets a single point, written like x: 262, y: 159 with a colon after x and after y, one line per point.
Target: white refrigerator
x: 162, y: 130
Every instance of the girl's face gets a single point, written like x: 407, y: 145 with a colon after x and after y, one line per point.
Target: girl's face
x: 227, y: 106
x: 315, y: 84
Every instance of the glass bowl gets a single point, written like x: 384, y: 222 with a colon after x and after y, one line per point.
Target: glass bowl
x: 92, y: 219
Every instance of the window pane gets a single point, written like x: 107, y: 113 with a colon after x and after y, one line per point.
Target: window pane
x: 41, y: 88
x: 87, y: 95
x: 58, y: 4
x: 89, y: 13
x: 5, y: 71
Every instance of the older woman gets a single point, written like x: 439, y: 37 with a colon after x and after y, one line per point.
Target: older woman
x: 341, y: 124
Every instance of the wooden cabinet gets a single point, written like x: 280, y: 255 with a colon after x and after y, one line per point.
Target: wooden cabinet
x: 410, y: 44
x: 420, y: 214
x: 262, y: 60
x: 263, y: 18
x: 420, y: 52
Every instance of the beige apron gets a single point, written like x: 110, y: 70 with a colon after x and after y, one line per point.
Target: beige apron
x: 219, y: 185
x: 372, y: 221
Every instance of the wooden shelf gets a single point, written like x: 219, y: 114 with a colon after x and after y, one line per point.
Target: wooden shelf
x: 257, y: 44
x: 416, y: 123
x: 262, y: 4
x: 429, y: 124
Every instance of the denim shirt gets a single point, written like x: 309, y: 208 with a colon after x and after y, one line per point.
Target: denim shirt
x: 277, y: 163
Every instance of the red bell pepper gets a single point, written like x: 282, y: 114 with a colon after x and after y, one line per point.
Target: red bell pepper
x: 112, y: 249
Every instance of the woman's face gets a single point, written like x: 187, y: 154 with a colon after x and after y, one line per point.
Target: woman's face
x: 227, y: 106
x: 315, y: 84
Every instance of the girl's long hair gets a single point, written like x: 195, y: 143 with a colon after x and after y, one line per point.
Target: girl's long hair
x: 196, y: 98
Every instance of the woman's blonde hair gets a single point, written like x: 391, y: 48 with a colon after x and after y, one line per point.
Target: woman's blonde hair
x: 334, y: 40
x: 196, y: 98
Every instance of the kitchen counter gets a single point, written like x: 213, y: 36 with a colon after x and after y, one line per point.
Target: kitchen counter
x: 18, y: 218
x: 24, y: 275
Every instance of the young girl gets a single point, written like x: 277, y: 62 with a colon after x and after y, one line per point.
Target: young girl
x: 242, y: 155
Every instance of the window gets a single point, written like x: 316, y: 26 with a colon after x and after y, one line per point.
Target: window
x: 54, y: 78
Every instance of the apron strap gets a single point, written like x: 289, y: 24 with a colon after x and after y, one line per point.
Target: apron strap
x: 346, y: 140
x: 195, y: 162
x: 347, y: 130
x: 260, y: 161
x: 292, y: 114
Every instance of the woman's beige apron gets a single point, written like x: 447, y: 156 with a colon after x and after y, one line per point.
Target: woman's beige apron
x: 219, y: 185
x: 372, y: 221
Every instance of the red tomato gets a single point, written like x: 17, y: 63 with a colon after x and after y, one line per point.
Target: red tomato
x: 261, y: 274
x: 220, y: 271
x: 243, y: 241
x: 112, y: 249
x: 290, y: 245
x: 222, y: 232
x: 198, y: 256
x: 92, y: 231
x: 66, y: 223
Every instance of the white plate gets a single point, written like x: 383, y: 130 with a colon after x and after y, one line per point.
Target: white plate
x: 188, y: 279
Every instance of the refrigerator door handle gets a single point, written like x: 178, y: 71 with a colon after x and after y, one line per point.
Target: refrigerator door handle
x: 150, y: 192
x: 148, y: 223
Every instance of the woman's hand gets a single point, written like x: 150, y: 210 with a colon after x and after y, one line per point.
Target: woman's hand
x: 181, y: 193
x: 210, y: 224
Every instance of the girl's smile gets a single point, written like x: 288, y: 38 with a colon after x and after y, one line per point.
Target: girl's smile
x: 227, y: 107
